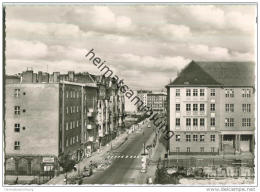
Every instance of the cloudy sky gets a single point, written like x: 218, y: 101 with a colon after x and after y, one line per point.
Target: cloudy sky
x: 144, y: 45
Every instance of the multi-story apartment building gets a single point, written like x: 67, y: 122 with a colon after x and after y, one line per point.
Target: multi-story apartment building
x: 43, y: 121
x: 157, y: 101
x: 57, y: 114
x: 211, y: 108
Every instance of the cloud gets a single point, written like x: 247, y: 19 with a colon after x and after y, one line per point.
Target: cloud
x: 145, y: 45
x: 175, y: 31
x: 25, y: 49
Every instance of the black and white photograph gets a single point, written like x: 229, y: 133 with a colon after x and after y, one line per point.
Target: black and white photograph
x: 129, y: 94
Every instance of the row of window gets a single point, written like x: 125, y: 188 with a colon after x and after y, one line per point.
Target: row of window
x: 72, y: 109
x: 17, y: 92
x: 228, y: 107
x: 72, y: 94
x: 72, y: 124
x: 212, y: 149
x: 228, y: 92
x: 72, y: 140
x: 195, y: 107
x: 229, y: 122
x: 195, y: 122
x: 195, y: 138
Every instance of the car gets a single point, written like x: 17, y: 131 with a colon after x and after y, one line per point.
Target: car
x: 149, y: 126
x: 87, y: 172
x: 143, y: 170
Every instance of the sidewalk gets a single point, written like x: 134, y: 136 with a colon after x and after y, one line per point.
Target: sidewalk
x: 96, y: 157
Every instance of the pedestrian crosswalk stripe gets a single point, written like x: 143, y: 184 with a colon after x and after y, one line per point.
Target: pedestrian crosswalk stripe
x: 123, y: 156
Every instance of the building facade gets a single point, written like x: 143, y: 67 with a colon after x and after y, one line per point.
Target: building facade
x: 211, y: 109
x: 157, y: 101
x: 54, y: 115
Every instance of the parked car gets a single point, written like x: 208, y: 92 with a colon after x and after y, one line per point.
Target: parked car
x: 87, y: 172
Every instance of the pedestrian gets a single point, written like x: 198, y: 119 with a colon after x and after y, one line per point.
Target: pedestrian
x: 16, y: 180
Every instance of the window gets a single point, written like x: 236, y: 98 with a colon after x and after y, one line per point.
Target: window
x: 77, y: 138
x: 177, y: 149
x: 17, y: 127
x: 188, y: 92
x: 229, y: 92
x: 195, y: 107
x: 71, y: 109
x: 77, y: 123
x: 188, y: 149
x: 246, y: 122
x: 17, y: 110
x: 178, y: 92
x: 202, y: 138
x: 212, y: 107
x: 195, y: 137
x: 229, y: 122
x: 246, y: 107
x: 77, y: 94
x: 67, y: 110
x: 212, y: 149
x: 188, y: 138
x: 195, y: 122
x: 202, y: 106
x: 77, y: 109
x: 188, y: 107
x: 212, y: 138
x: 212, y: 122
x: 178, y: 107
x: 71, y: 141
x: 202, y: 93
x: 16, y: 92
x: 67, y: 126
x: 202, y: 122
x: 212, y: 92
x: 246, y: 93
x: 71, y: 94
x: 17, y: 145
x: 74, y: 109
x: 178, y: 122
x: 71, y: 126
x: 67, y: 142
x: 202, y: 149
x: 178, y: 138
x: 188, y: 121
x: 229, y: 107
x: 195, y: 92
x: 67, y: 94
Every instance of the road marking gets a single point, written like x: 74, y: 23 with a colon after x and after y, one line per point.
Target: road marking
x: 126, y: 156
x: 131, y: 156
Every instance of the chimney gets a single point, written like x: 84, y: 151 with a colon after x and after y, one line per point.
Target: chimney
x: 71, y: 75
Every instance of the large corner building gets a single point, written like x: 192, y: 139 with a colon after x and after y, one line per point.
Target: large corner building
x: 211, y: 108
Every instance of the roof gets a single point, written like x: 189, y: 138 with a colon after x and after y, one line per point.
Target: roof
x: 216, y: 74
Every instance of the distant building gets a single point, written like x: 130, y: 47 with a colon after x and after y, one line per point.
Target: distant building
x: 142, y: 94
x: 157, y: 101
x: 211, y: 108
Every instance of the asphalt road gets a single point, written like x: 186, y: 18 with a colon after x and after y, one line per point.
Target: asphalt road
x: 122, y: 170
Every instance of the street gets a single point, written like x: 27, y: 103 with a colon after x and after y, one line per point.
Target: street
x: 127, y: 162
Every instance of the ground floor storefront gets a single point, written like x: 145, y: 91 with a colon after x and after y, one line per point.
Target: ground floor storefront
x: 31, y: 165
x: 236, y: 142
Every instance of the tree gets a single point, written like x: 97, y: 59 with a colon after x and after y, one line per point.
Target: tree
x: 66, y: 162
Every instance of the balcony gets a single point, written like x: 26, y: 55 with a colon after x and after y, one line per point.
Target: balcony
x: 90, y: 112
x: 89, y: 126
x: 91, y: 139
